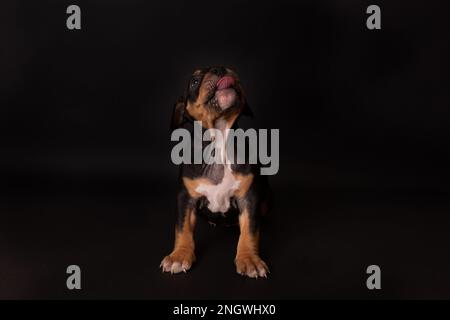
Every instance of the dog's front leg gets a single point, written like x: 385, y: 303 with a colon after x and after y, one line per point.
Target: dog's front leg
x: 247, y: 258
x: 182, y: 256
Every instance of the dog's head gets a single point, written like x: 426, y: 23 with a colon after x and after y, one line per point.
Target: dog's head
x: 213, y: 93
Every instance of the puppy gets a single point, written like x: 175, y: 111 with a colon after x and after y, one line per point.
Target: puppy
x: 220, y: 192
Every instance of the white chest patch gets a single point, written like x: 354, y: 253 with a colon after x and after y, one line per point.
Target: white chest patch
x: 219, y: 195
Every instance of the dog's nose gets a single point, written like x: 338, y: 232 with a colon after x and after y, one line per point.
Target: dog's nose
x: 219, y: 71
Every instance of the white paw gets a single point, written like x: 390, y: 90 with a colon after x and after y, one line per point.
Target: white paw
x: 251, y: 266
x: 177, y: 261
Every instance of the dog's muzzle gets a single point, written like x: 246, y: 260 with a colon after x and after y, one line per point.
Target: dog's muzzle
x: 225, y: 94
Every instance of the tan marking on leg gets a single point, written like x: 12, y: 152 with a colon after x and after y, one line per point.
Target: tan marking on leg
x: 247, y: 259
x: 182, y: 256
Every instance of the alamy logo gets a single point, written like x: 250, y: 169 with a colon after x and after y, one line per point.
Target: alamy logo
x: 374, y: 20
x: 73, y: 22
x: 374, y: 280
x: 74, y: 280
x: 228, y: 146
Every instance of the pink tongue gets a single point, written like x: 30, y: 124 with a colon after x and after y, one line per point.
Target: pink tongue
x: 225, y: 83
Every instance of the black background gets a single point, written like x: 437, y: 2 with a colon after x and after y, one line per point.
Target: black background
x: 364, y: 146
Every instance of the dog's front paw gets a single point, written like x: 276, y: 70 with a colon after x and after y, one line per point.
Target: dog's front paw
x: 178, y: 261
x: 251, y: 266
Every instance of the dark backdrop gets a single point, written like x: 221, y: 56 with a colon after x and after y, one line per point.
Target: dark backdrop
x: 85, y: 161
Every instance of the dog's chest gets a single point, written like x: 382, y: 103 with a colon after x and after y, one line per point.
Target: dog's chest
x: 219, y: 195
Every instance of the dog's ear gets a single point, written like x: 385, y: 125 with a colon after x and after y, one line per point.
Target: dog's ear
x: 246, y: 111
x: 178, y: 114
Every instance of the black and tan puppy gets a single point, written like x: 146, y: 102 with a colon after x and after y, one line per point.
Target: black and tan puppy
x: 219, y: 192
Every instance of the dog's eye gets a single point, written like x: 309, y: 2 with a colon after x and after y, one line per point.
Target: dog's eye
x: 194, y: 82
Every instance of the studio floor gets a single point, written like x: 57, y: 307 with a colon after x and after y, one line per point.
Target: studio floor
x: 317, y: 242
